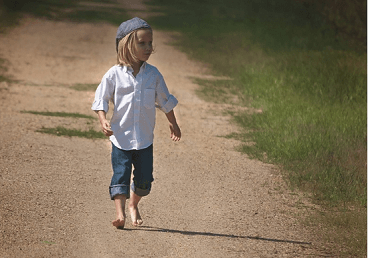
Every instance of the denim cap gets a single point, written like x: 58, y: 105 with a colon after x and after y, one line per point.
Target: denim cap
x: 128, y: 26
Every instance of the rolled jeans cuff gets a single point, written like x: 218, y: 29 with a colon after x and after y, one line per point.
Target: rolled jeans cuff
x: 119, y: 190
x: 139, y: 191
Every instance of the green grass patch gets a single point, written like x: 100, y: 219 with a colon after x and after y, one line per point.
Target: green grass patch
x: 62, y: 131
x: 49, y: 242
x: 290, y: 59
x: 58, y: 114
x: 84, y: 87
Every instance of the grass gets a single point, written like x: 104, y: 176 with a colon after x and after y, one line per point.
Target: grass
x: 62, y: 131
x: 59, y: 114
x: 306, y: 69
x: 49, y: 242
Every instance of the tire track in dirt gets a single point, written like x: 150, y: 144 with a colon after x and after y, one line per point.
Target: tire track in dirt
x: 207, y: 199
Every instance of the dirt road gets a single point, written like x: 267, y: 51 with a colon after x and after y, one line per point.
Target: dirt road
x: 207, y: 199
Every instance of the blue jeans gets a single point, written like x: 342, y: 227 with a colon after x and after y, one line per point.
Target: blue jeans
x: 122, y: 161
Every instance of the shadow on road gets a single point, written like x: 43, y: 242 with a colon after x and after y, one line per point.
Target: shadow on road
x: 194, y: 233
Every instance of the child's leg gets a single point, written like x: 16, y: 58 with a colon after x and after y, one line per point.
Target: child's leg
x: 133, y: 208
x: 141, y: 186
x: 120, y: 183
x: 120, y: 211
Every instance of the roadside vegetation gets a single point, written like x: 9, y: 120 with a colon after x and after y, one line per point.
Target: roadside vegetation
x: 303, y: 63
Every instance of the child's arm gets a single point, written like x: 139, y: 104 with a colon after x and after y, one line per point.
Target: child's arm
x: 106, y: 128
x: 174, y: 128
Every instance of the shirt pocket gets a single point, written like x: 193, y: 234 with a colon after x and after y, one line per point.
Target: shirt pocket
x: 149, y: 98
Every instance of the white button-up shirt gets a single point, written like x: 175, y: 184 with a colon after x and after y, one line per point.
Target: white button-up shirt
x: 134, y: 100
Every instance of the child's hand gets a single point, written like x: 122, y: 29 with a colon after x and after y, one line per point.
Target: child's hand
x: 174, y: 128
x: 175, y: 132
x: 106, y: 128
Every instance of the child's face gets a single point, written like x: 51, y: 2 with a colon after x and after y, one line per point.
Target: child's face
x: 143, y: 45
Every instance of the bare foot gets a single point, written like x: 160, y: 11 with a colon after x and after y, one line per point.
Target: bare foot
x: 119, y: 223
x: 134, y: 214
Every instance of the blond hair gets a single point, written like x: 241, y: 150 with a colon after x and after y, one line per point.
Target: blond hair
x: 126, y: 53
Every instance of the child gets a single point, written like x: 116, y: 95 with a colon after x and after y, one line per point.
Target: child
x: 135, y: 88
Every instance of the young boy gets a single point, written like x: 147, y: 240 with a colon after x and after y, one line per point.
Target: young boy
x: 136, y: 88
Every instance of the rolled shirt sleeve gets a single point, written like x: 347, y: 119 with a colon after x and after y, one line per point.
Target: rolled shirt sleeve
x: 164, y: 100
x: 104, y: 93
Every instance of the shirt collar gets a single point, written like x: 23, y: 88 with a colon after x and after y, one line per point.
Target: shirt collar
x: 143, y: 67
x: 129, y: 69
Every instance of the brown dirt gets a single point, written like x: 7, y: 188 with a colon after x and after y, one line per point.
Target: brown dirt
x: 208, y: 200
